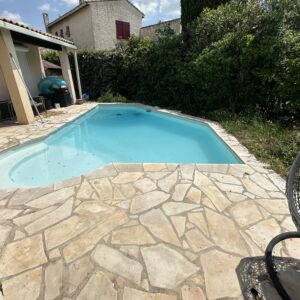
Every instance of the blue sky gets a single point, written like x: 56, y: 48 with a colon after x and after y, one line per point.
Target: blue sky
x: 30, y: 11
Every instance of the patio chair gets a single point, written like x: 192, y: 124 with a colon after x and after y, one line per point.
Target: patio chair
x: 293, y: 195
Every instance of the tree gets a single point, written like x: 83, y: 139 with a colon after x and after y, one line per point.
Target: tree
x: 191, y: 9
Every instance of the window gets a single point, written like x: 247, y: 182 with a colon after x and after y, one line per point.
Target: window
x: 61, y: 33
x: 56, y: 33
x: 123, y: 30
x: 68, y: 32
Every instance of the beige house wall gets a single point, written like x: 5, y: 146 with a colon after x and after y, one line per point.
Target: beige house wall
x: 105, y: 15
x: 81, y: 29
x: 151, y: 31
x: 94, y: 26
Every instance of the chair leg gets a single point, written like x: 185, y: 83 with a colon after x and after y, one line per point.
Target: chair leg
x: 270, y: 264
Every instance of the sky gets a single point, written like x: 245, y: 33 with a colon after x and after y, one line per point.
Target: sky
x: 30, y: 12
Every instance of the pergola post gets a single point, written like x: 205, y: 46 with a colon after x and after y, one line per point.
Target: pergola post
x: 14, y: 82
x: 66, y: 70
x: 77, y: 74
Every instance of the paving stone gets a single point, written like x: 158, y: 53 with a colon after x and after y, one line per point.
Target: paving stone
x: 107, y: 171
x: 278, y: 181
x: 128, y: 190
x: 220, y: 276
x: 99, y: 287
x: 274, y: 206
x: 254, y: 188
x: 277, y: 195
x: 27, y: 285
x: 145, y: 185
x: 154, y: 167
x: 172, y: 167
x: 67, y: 230
x: 130, y: 250
x: 263, y: 232
x: 199, y: 220
x: 59, y: 214
x: 53, y: 280
x: 104, y: 188
x: 292, y: 247
x: 127, y: 177
x: 8, y: 213
x: 225, y: 179
x: 246, y: 213
x: 187, y: 171
x: 25, y: 219
x: 190, y: 255
x: 207, y: 203
x: 116, y: 262
x: 88, y: 240
x: 212, y: 168
x: 176, y: 208
x: 78, y: 272
x: 19, y: 235
x: 4, y: 233
x: 146, y: 201
x: 6, y: 193
x: 235, y: 197
x: 194, y: 195
x: 22, y: 196
x: 166, y: 268
x: 124, y: 167
x: 124, y: 204
x: 93, y: 208
x: 160, y: 226
x: 179, y: 224
x: 197, y: 241
x: 288, y: 224
x: 230, y: 187
x: 252, y: 247
x: 56, y: 197
x: 157, y: 175
x: 85, y: 191
x: 167, y: 183
x: 132, y: 294
x: 134, y: 235
x: 22, y: 255
x: 117, y: 195
x: 263, y: 182
x: 192, y: 293
x: 180, y: 192
x: 67, y: 183
x: 211, y: 191
x: 55, y: 253
x: 224, y: 233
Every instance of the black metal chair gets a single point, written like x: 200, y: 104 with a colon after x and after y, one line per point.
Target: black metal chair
x: 293, y: 195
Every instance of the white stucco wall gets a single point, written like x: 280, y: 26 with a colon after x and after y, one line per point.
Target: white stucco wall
x: 80, y: 24
x: 105, y: 14
x: 150, y: 31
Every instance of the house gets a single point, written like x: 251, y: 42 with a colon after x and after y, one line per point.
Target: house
x: 21, y: 66
x: 151, y: 30
x: 97, y: 24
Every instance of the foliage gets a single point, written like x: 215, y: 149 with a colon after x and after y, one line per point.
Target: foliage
x: 269, y: 141
x: 242, y: 56
x: 191, y: 9
x: 109, y: 97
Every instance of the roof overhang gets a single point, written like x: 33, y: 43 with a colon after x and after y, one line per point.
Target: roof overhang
x: 24, y: 34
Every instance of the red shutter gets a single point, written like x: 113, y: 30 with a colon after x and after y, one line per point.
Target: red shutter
x: 119, y: 30
x: 122, y: 30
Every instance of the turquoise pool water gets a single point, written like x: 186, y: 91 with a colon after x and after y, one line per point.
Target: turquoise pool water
x: 112, y: 133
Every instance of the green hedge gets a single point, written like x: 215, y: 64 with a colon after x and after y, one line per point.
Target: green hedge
x: 242, y: 56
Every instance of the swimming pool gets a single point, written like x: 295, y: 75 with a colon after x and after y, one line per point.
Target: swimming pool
x: 112, y: 133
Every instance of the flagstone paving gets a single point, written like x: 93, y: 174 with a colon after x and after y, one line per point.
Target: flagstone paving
x: 141, y: 231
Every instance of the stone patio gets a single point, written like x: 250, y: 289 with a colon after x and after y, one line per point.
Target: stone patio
x: 138, y: 231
